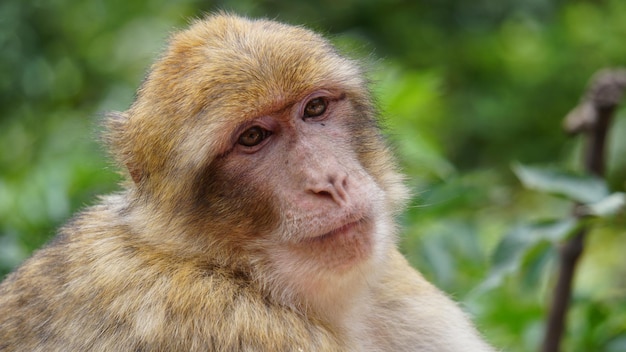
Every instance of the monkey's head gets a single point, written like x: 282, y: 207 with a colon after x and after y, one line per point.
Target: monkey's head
x: 258, y: 138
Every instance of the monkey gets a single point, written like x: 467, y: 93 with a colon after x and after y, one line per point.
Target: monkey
x: 257, y: 213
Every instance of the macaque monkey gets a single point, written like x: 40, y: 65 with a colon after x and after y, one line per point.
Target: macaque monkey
x: 257, y: 215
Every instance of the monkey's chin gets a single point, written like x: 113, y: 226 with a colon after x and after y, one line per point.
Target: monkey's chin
x: 343, y: 247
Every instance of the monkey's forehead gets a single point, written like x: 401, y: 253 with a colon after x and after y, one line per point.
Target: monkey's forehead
x: 248, y: 66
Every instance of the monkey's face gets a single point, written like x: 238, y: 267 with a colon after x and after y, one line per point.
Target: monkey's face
x: 302, y: 161
x: 262, y: 140
x: 296, y: 181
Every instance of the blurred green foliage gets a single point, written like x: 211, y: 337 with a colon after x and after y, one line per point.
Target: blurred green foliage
x: 466, y: 87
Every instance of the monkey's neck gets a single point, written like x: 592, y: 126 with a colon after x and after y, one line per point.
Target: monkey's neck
x: 332, y: 297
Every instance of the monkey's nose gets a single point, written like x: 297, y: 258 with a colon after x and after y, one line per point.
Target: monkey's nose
x: 335, y: 187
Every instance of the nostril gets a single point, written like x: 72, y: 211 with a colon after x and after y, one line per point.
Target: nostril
x: 331, y: 180
x: 324, y: 193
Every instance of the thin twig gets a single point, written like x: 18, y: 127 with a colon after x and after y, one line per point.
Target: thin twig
x: 592, y: 117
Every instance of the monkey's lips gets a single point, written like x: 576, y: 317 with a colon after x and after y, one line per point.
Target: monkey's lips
x: 341, y: 245
x: 347, y: 230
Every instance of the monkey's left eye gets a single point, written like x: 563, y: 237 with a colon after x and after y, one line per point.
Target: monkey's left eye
x: 315, y: 107
x: 253, y: 136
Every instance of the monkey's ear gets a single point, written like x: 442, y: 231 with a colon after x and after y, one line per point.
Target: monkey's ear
x: 135, y: 173
x: 119, y: 143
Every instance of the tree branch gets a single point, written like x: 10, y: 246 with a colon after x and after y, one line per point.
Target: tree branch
x: 592, y: 117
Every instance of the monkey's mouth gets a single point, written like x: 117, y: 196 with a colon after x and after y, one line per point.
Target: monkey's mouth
x: 346, y: 230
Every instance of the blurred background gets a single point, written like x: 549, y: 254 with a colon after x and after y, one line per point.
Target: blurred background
x: 467, y: 89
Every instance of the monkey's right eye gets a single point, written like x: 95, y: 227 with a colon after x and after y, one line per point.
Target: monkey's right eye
x: 253, y: 136
x: 315, y: 107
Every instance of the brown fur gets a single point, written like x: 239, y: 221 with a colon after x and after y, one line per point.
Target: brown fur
x: 215, y: 247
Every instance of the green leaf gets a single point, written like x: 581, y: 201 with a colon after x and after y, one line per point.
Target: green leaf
x: 608, y: 206
x: 583, y: 189
x: 534, y: 264
x: 522, y: 240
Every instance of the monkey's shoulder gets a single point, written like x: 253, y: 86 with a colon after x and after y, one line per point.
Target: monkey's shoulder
x: 96, y: 287
x: 412, y: 308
